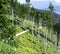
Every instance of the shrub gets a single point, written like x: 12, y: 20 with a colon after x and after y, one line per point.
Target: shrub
x: 28, y: 24
x: 6, y: 49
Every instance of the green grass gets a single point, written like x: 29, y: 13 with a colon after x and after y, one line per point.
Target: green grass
x: 7, y: 49
x: 28, y: 44
x: 51, y: 35
x: 28, y: 24
x: 18, y: 29
x: 34, y: 45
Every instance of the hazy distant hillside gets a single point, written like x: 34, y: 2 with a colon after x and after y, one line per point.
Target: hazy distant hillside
x: 57, y: 17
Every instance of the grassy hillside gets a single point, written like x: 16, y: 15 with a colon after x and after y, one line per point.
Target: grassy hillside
x: 29, y: 44
x: 16, y: 18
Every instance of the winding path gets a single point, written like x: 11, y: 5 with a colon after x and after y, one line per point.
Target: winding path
x: 21, y: 33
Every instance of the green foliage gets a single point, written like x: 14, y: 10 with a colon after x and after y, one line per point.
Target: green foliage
x: 28, y: 24
x: 51, y: 7
x: 51, y: 35
x: 18, y: 29
x: 5, y: 7
x: 7, y: 49
x: 47, y: 20
x: 32, y: 44
x: 7, y: 29
x: 57, y: 29
x: 26, y: 43
x: 14, y: 43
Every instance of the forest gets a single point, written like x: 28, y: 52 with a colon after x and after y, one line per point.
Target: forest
x: 27, y: 30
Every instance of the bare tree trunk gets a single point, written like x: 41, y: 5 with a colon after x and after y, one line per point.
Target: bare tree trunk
x: 12, y: 17
x: 32, y: 26
x: 57, y: 39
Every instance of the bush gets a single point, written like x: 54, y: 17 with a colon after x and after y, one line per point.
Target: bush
x: 7, y: 29
x: 14, y: 43
x: 28, y: 24
x: 6, y: 49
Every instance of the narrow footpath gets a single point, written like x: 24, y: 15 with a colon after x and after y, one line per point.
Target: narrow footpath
x: 21, y: 33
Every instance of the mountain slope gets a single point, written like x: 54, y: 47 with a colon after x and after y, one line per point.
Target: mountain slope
x: 30, y: 44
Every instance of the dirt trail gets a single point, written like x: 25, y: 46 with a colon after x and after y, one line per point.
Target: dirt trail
x: 21, y: 33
